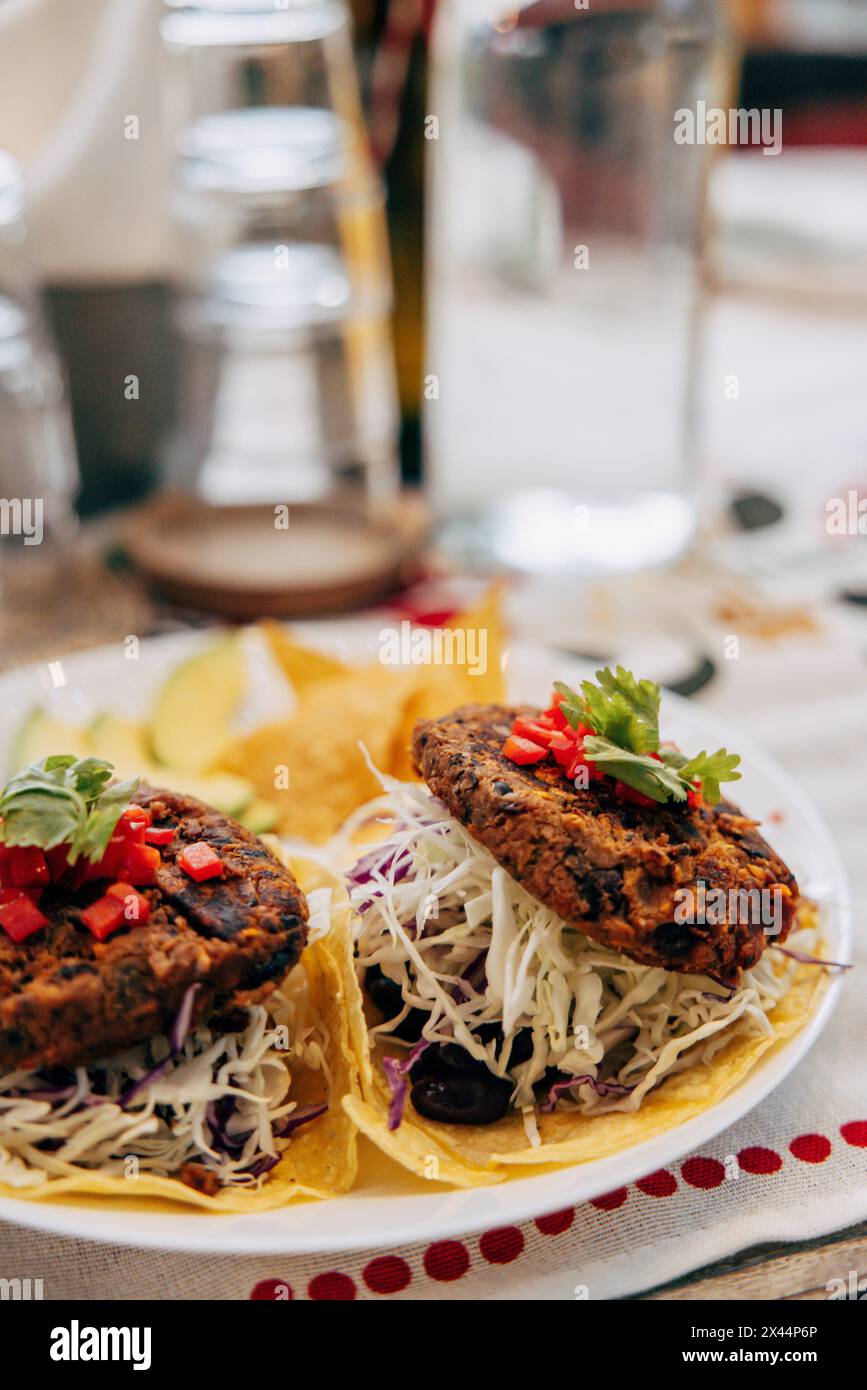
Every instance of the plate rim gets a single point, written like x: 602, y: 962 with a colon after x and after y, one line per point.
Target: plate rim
x: 451, y: 1212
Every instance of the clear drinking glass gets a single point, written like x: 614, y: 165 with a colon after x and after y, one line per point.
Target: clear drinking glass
x: 563, y: 278
x: 38, y: 465
x: 284, y: 293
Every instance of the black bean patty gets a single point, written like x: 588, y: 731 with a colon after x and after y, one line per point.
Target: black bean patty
x: 607, y: 866
x: 66, y: 998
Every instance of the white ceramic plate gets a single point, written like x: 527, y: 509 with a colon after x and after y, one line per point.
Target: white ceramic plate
x: 389, y: 1206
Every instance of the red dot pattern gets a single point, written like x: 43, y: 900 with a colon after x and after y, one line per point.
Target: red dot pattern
x: 703, y: 1172
x: 610, y: 1201
x: 446, y: 1260
x: 855, y: 1133
x: 271, y: 1290
x: 331, y: 1287
x: 810, y: 1148
x: 502, y: 1246
x: 556, y: 1222
x: 659, y: 1184
x: 387, y: 1274
x: 759, y: 1160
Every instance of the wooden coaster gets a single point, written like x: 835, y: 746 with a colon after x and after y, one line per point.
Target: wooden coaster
x: 289, y: 561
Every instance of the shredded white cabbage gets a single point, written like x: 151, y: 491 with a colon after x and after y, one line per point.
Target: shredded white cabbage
x: 468, y: 945
x: 221, y: 1103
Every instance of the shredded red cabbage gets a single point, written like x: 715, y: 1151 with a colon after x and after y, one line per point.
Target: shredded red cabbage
x: 602, y: 1088
x: 397, y: 1075
x: 302, y: 1116
x: 177, y: 1036
x: 730, y: 992
x: 804, y: 959
x: 363, y: 871
x: 262, y: 1165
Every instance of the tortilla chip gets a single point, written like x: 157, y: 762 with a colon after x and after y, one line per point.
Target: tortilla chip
x: 326, y: 773
x: 322, y: 1159
x: 304, y: 666
x: 473, y: 1155
x: 443, y: 687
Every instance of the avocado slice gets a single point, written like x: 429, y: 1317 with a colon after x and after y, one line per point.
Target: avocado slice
x: 121, y: 742
x: 41, y: 736
x: 192, y: 718
x: 124, y: 743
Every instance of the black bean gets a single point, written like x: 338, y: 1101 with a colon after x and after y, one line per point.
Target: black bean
x: 462, y: 1100
x: 522, y: 1043
x: 602, y: 891
x: 385, y: 996
x: 522, y: 1047
x: 671, y: 939
x: 455, y: 1059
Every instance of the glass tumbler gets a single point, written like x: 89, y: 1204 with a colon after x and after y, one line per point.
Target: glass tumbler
x: 283, y: 299
x: 564, y: 256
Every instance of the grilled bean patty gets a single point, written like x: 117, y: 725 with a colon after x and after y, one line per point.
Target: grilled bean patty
x: 607, y: 866
x: 66, y: 998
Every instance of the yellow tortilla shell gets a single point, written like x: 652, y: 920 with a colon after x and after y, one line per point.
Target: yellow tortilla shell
x: 321, y: 1160
x: 467, y: 1155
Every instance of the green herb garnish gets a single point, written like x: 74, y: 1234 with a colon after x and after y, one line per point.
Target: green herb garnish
x: 624, y: 712
x: 64, y: 800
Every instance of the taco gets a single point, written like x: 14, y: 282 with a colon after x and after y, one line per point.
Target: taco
x: 161, y: 1033
x: 570, y: 941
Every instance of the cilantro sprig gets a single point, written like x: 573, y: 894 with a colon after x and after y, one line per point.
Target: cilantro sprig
x: 624, y: 712
x: 64, y: 800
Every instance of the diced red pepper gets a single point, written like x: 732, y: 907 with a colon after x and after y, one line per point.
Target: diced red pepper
x: 140, y: 864
x: 564, y: 746
x: 200, y: 861
x: 517, y: 750
x: 694, y: 798
x: 159, y: 835
x: 533, y: 730
x: 557, y: 718
x: 58, y: 864
x: 26, y: 867
x: 20, y: 918
x: 133, y: 823
x: 136, y: 907
x: 627, y: 793
x: 8, y: 895
x: 103, y: 917
x: 112, y: 861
